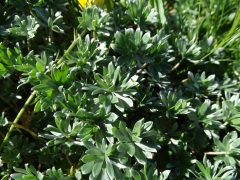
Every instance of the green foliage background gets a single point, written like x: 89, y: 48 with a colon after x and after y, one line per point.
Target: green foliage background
x: 146, y: 90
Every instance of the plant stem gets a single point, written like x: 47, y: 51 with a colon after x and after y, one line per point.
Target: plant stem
x: 74, y: 43
x: 68, y: 160
x: 142, y: 68
x: 215, y: 153
x: 30, y: 98
x: 28, y: 130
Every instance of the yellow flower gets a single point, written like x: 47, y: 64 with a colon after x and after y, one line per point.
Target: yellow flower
x: 101, y: 3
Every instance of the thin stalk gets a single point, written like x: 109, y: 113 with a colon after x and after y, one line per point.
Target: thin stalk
x: 24, y: 128
x: 68, y: 160
x: 142, y: 68
x: 74, y: 43
x: 33, y: 134
x: 30, y: 98
x: 215, y: 153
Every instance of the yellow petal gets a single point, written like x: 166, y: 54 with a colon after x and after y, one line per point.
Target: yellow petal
x: 84, y: 3
x: 100, y: 3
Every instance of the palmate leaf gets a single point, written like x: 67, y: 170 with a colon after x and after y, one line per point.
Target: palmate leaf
x: 27, y: 27
x: 110, y: 99
x: 48, y: 19
x: 136, y: 47
x: 229, y: 148
x: 113, y: 88
x: 98, y: 161
x: 214, y: 171
x: 132, y: 144
x: 132, y: 44
x: 96, y: 19
x: 234, y: 121
x: 142, y: 13
x: 207, y: 114
x: 173, y: 103
x: 29, y: 173
x: 9, y: 58
x: 201, y: 85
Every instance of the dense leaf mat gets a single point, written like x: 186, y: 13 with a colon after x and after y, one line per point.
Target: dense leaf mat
x: 124, y: 90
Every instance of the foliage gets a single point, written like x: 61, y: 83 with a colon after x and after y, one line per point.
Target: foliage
x: 138, y: 90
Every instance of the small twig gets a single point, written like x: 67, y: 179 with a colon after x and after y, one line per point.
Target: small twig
x: 177, y: 65
x: 68, y: 160
x: 215, y: 153
x: 142, y: 68
x: 74, y: 43
x: 18, y: 118
x: 26, y: 129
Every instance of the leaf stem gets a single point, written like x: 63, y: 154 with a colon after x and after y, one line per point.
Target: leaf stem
x: 68, y: 160
x: 142, y: 68
x: 30, y: 98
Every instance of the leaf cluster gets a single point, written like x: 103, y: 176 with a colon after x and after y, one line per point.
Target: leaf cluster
x: 146, y: 90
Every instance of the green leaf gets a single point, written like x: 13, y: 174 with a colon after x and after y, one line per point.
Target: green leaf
x: 219, y: 144
x: 135, y: 174
x: 3, y: 120
x: 122, y: 147
x: 64, y: 73
x: 16, y: 176
x: 88, y: 158
x: 146, y: 38
x: 20, y: 170
x: 29, y: 177
x: 204, y: 107
x: 235, y: 120
x: 160, y: 9
x: 87, y: 168
x: 97, y: 167
x: 110, y: 170
x: 145, y: 148
x: 44, y: 87
x: 56, y: 74
x: 111, y: 69
x: 138, y: 36
x: 96, y: 152
x: 78, y: 175
x: 76, y: 128
x: 118, y: 134
x: 100, y: 82
x: 120, y: 106
x: 140, y: 156
x: 127, y: 100
x: 43, y: 78
x: 98, y: 91
x: 147, y: 125
x: 116, y: 75
x: 131, y: 149
x: 40, y: 67
x: 202, y: 168
x: 235, y: 144
x: 137, y: 127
